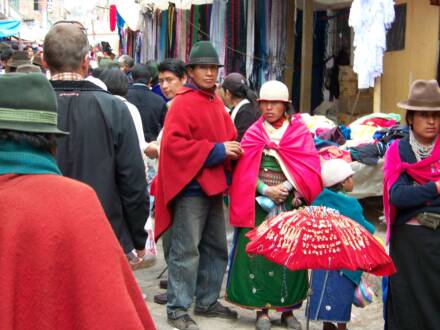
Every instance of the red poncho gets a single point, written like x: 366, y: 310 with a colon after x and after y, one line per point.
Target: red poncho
x: 196, y: 121
x: 422, y: 172
x: 297, y: 151
x: 61, y: 265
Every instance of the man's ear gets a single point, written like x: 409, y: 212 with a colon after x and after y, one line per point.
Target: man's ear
x: 85, y: 65
x: 43, y: 60
x: 189, y: 72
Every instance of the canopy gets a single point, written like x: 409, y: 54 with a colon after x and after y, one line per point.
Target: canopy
x: 9, y: 27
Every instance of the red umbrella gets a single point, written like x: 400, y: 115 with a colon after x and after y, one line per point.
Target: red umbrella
x: 316, y: 237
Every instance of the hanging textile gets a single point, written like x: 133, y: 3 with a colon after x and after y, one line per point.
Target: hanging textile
x: 181, y: 51
x: 277, y: 40
x: 250, y: 37
x: 261, y: 48
x: 236, y: 36
x: 112, y: 14
x: 138, y: 47
x: 149, y: 37
x: 217, y: 31
x: 163, y: 35
x: 370, y: 20
x: 204, y: 20
x: 171, y: 25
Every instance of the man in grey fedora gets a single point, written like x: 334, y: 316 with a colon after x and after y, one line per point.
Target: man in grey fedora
x: 198, y: 134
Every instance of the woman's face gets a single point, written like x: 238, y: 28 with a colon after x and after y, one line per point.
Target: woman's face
x: 425, y: 125
x: 226, y: 97
x: 348, y: 184
x: 272, y: 111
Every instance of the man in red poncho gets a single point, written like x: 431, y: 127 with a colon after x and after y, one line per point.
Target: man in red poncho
x: 61, y: 265
x: 197, y: 146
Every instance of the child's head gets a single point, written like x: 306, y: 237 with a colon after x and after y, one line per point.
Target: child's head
x: 337, y: 175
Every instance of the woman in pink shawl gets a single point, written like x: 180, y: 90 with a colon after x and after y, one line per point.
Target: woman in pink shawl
x: 280, y: 170
x: 412, y: 210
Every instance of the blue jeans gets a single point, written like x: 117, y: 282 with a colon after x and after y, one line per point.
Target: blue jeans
x: 198, y: 253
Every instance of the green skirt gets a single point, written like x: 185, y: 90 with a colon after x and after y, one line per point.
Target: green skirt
x: 255, y: 282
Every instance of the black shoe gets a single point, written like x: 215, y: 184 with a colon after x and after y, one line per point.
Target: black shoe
x: 291, y: 322
x: 161, y: 299
x: 184, y: 322
x: 216, y: 310
x: 163, y: 284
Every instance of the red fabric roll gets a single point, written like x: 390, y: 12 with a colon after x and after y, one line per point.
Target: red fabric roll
x: 112, y: 17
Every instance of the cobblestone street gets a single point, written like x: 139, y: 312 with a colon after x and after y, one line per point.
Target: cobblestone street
x: 369, y: 318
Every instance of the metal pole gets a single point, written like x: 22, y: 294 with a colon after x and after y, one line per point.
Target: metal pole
x: 309, y: 294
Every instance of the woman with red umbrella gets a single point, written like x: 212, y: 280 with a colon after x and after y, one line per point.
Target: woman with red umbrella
x: 412, y: 210
x: 333, y: 290
x: 279, y: 171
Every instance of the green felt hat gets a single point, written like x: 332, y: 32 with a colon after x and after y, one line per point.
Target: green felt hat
x: 28, y: 104
x: 19, y: 58
x: 203, y: 52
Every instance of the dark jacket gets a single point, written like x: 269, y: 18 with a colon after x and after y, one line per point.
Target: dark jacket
x: 151, y: 108
x: 409, y: 198
x: 246, y: 116
x: 102, y: 150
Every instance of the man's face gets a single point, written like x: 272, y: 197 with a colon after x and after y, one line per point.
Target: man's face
x: 204, y: 75
x: 170, y: 83
x: 30, y: 53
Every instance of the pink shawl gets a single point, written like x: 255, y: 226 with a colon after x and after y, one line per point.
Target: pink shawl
x: 298, y: 153
x: 422, y: 172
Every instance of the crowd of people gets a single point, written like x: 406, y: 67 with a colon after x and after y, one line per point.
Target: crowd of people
x: 89, y: 155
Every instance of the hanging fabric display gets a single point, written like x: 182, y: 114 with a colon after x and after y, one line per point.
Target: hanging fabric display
x: 112, y: 17
x: 217, y: 31
x: 277, y: 39
x: 250, y: 37
x: 370, y: 20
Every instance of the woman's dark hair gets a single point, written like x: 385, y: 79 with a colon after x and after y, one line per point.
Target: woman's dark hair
x: 6, y: 54
x: 154, y: 72
x: 174, y: 65
x: 45, y: 142
x: 115, y: 80
x: 237, y: 86
x: 96, y: 72
x: 409, y: 116
x: 336, y: 188
x: 141, y: 74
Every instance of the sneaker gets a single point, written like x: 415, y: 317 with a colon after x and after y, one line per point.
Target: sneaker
x: 216, y: 310
x: 184, y: 322
x: 291, y: 322
x: 161, y: 299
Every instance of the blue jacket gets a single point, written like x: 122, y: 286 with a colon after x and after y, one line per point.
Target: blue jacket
x: 349, y: 207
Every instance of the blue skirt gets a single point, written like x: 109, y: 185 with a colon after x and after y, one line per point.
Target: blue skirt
x: 332, y: 296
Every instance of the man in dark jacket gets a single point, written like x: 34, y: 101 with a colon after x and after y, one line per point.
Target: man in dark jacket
x: 151, y: 106
x: 102, y: 149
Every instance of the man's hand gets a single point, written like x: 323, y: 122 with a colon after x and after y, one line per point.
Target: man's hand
x: 152, y: 150
x: 233, y: 149
x: 277, y: 193
x: 140, y: 253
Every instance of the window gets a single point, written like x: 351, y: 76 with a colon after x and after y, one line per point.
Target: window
x: 396, y: 35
